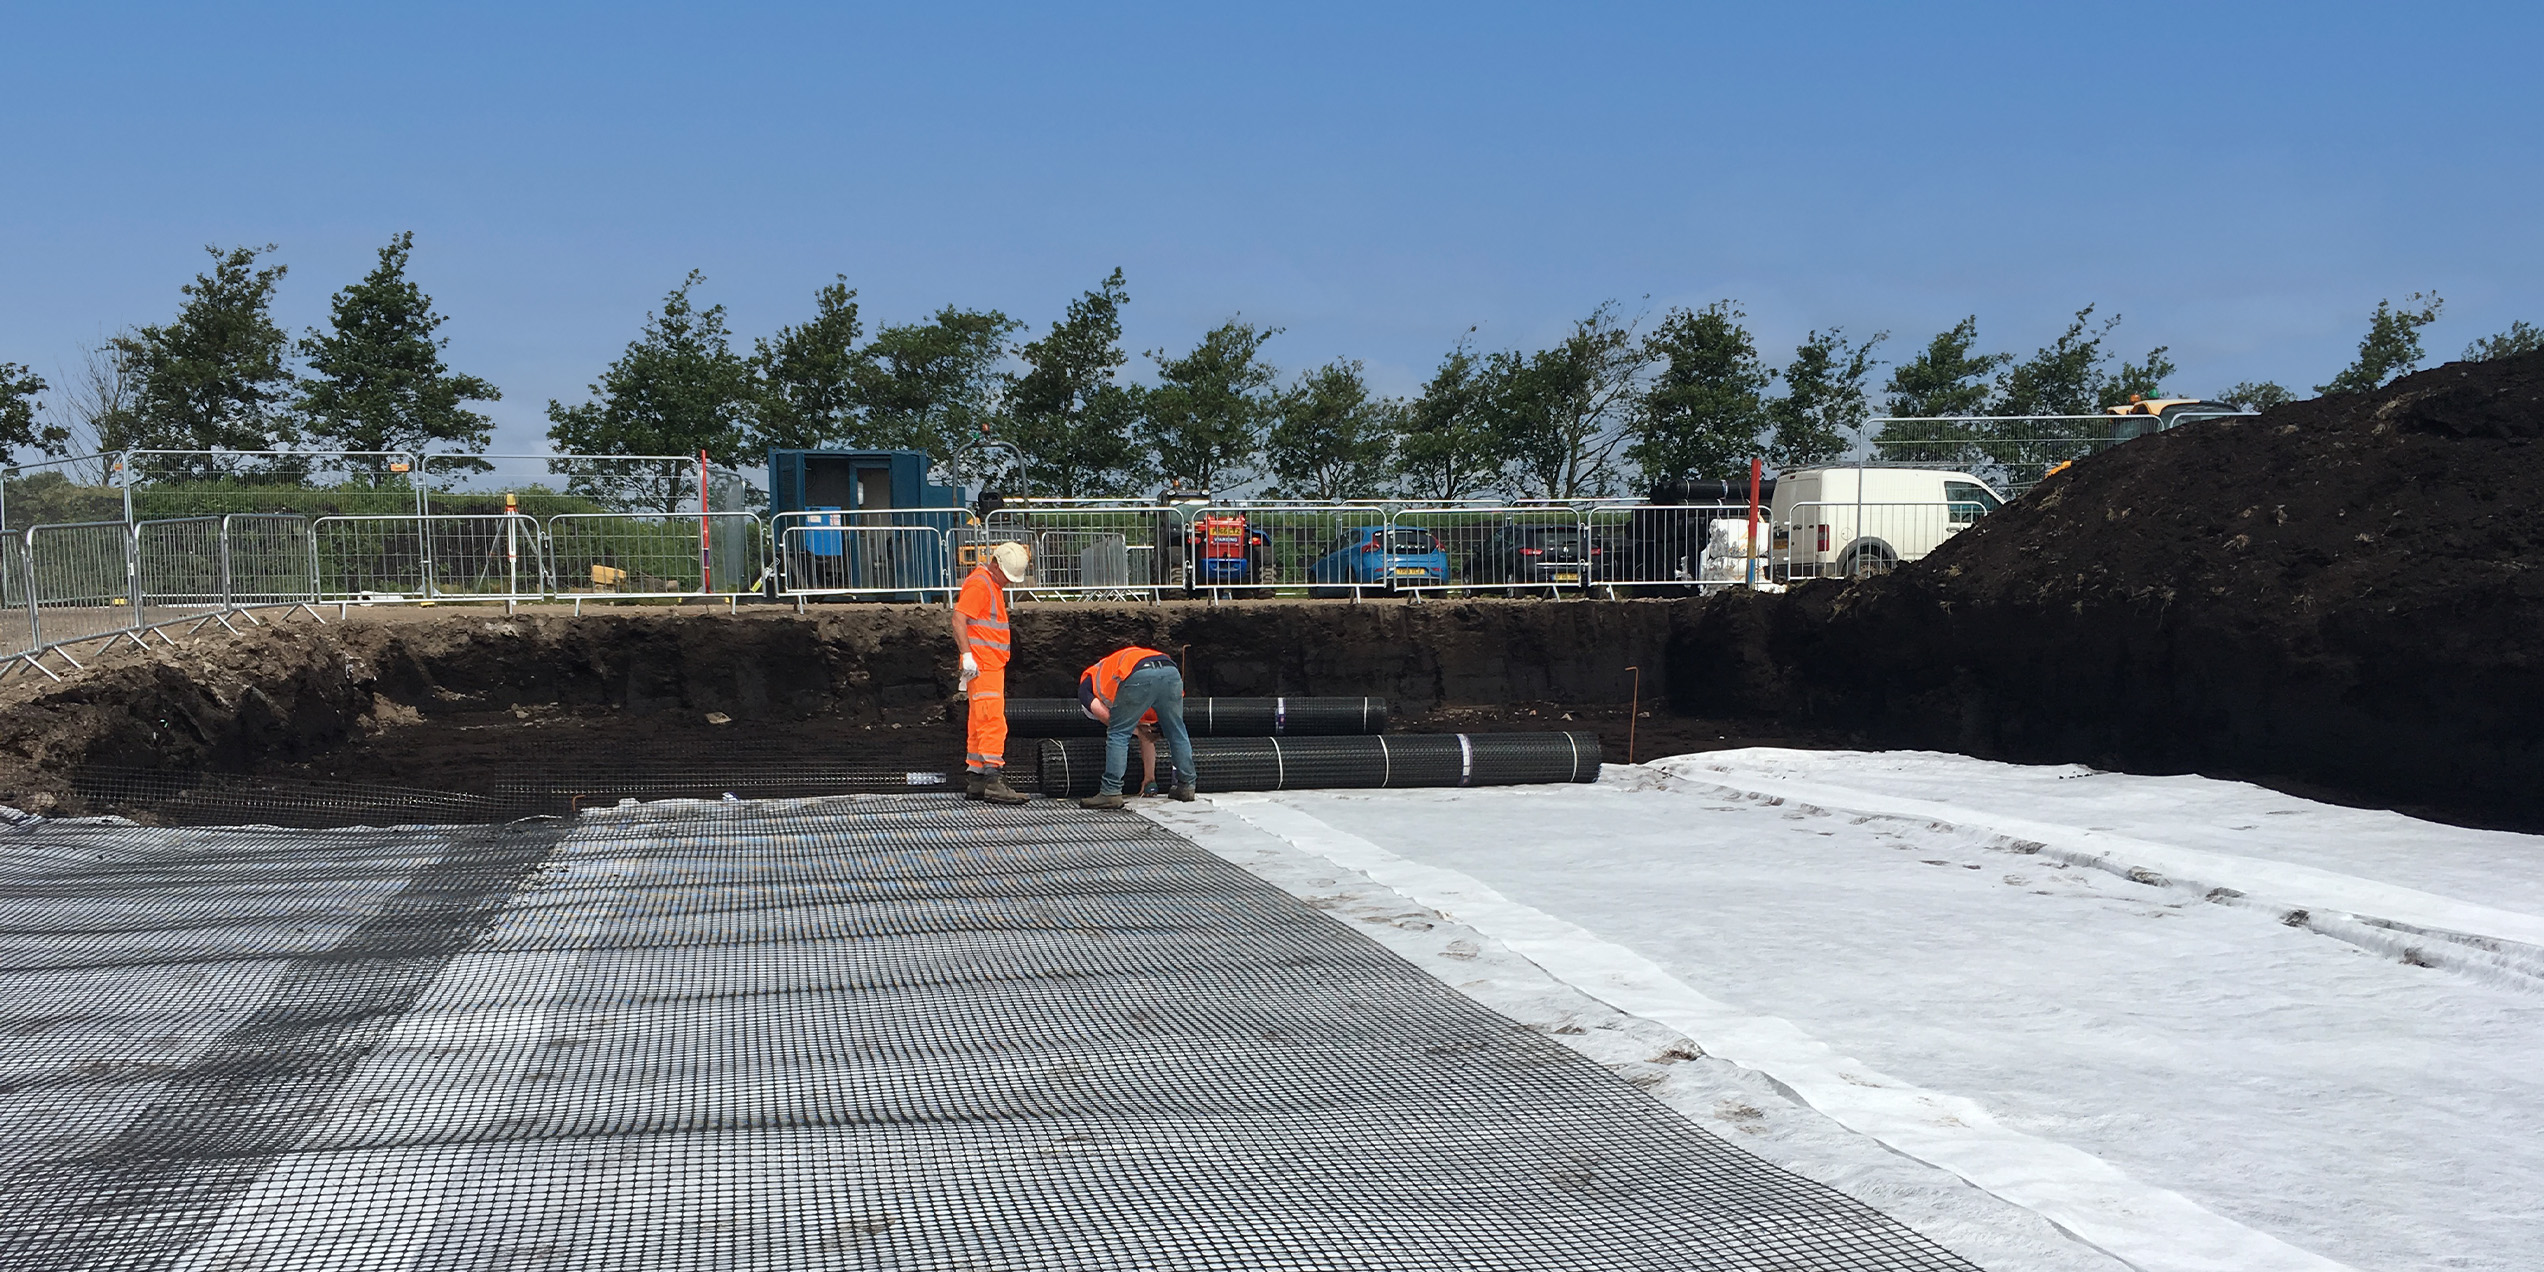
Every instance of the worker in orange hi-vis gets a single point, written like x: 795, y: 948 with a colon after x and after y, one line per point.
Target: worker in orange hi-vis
x: 1131, y: 690
x: 981, y: 642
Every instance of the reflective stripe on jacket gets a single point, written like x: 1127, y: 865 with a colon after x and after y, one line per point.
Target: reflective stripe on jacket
x: 983, y: 606
x: 1106, y: 676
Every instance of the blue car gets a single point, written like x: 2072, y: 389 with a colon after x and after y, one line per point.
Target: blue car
x: 1376, y: 557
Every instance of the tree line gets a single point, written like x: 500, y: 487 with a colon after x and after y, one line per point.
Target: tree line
x: 1620, y: 401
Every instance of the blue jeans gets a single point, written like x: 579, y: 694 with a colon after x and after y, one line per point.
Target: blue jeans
x: 1159, y: 689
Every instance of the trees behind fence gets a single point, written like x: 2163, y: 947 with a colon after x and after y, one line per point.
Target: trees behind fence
x: 1620, y: 402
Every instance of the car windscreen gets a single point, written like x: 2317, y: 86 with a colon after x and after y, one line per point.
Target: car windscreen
x: 1971, y: 492
x: 1412, y: 541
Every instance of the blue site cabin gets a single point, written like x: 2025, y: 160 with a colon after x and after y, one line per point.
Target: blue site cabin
x: 852, y: 488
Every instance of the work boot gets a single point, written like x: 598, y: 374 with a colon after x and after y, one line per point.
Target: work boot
x: 995, y: 790
x: 971, y: 786
x: 1185, y: 793
x: 1109, y: 799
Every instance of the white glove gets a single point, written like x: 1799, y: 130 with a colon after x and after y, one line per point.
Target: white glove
x: 971, y: 667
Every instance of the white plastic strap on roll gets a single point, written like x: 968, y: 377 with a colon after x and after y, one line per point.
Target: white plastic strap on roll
x: 1280, y: 767
x: 1280, y: 715
x: 1386, y: 762
x: 1466, y: 759
x: 1575, y: 744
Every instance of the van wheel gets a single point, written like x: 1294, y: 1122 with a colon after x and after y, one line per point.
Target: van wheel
x: 1863, y: 561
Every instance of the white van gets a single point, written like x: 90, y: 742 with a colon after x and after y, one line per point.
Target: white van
x: 1851, y: 522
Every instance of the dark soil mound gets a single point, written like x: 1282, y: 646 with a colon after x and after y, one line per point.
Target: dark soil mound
x: 2343, y: 593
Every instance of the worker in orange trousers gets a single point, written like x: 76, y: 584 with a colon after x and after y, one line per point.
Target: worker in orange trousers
x: 981, y: 644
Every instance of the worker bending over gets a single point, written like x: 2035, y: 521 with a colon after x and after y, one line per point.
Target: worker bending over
x: 981, y: 643
x: 1125, y: 689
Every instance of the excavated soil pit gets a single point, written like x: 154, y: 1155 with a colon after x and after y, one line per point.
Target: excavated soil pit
x: 477, y: 715
x: 2341, y: 598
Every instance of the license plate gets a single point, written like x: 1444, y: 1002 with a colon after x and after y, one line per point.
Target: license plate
x: 1567, y: 576
x: 1413, y: 570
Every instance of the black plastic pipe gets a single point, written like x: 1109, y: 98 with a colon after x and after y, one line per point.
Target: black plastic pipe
x: 1075, y: 766
x: 1213, y: 717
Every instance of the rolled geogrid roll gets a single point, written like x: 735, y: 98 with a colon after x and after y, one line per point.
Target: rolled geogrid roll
x: 1214, y: 717
x: 1075, y: 766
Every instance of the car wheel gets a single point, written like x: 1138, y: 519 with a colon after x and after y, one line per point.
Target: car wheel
x: 1866, y: 560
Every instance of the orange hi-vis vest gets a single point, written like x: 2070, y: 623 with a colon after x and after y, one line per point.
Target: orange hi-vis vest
x: 983, y: 605
x: 1109, y: 672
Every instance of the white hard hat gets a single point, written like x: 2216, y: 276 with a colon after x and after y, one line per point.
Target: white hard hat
x: 1015, y: 561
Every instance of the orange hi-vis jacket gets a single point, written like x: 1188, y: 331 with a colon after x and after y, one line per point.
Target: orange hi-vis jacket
x: 983, y: 605
x: 1105, y: 678
x: 983, y: 609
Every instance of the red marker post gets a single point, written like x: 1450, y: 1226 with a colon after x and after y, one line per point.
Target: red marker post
x: 1757, y: 469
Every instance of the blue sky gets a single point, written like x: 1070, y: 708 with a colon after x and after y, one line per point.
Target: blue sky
x: 2241, y: 182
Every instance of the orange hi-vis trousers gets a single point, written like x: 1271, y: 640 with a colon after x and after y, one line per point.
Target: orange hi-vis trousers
x: 985, y: 735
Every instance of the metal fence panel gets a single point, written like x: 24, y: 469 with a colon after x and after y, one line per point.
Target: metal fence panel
x: 178, y: 569
x: 1852, y: 540
x: 817, y: 558
x: 1513, y: 550
x: 1255, y: 548
x: 1094, y: 550
x: 269, y: 559
x: 82, y: 579
x: 1665, y: 545
x: 369, y: 558
x: 496, y: 556
x: 656, y: 554
x: 17, y: 597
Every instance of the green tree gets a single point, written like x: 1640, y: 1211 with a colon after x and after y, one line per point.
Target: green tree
x: 1705, y: 407
x: 2071, y: 375
x: 678, y: 389
x: 1824, y: 403
x: 1448, y: 448
x: 1205, y: 418
x: 808, y: 376
x: 377, y: 380
x: 2257, y: 395
x: 19, y: 388
x: 2521, y: 337
x: 1066, y: 412
x: 215, y: 377
x: 1562, y: 412
x: 1333, y: 441
x: 1945, y: 379
x: 934, y: 386
x: 2391, y: 346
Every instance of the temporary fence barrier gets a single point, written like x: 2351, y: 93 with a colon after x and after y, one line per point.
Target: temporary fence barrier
x: 1119, y: 551
x: 1075, y: 766
x: 1655, y: 546
x: 821, y: 558
x: 484, y: 557
x: 178, y: 569
x: 1332, y: 549
x: 1853, y: 540
x: 165, y: 485
x: 17, y: 597
x: 891, y: 553
x: 627, y: 556
x: 1212, y: 717
x: 1511, y: 549
x: 82, y: 581
x: 369, y: 559
x: 268, y: 559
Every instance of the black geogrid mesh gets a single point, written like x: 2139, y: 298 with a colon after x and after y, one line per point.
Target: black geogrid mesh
x: 898, y: 1032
